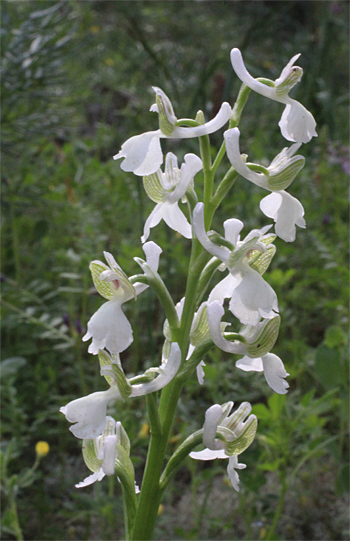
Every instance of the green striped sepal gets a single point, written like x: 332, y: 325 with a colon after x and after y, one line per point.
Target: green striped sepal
x: 105, y: 289
x: 240, y: 252
x: 283, y: 178
x: 154, y: 187
x: 167, y: 118
x: 108, y: 289
x: 261, y: 342
x: 200, y: 331
x: 238, y: 434
x: 293, y: 77
x: 261, y: 261
x: 111, y: 369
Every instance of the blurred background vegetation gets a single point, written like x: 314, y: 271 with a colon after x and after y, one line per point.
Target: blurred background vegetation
x: 76, y: 83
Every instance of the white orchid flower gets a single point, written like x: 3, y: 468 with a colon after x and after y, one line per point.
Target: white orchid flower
x: 166, y: 189
x: 89, y: 413
x: 273, y: 369
x: 237, y: 431
x: 297, y: 123
x: 100, y: 453
x: 109, y: 327
x: 143, y: 153
x: 259, y: 339
x: 286, y: 210
x: 251, y: 297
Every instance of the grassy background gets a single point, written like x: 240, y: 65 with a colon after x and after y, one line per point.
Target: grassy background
x: 76, y: 83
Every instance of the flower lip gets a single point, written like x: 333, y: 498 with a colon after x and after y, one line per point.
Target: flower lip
x: 297, y: 123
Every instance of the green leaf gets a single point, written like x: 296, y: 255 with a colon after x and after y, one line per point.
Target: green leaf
x: 10, y: 366
x: 270, y: 466
x: 261, y: 411
x: 276, y: 404
x: 328, y: 366
x: 334, y: 337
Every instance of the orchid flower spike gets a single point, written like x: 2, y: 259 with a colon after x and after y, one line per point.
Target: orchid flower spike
x: 251, y: 297
x: 89, y: 413
x: 166, y: 189
x: 236, y: 431
x: 109, y: 327
x: 143, y: 153
x: 281, y: 206
x: 297, y: 123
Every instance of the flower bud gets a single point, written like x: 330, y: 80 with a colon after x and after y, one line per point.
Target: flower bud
x: 163, y: 106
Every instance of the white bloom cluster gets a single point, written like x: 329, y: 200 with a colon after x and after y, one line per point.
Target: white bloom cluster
x: 252, y: 301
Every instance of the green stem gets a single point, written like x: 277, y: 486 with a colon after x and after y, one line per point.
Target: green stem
x: 279, y: 509
x: 156, y: 283
x: 15, y: 522
x: 237, y: 110
x: 154, y: 420
x: 204, y: 145
x: 180, y: 454
x: 221, y: 192
x: 151, y: 493
x: 150, y: 496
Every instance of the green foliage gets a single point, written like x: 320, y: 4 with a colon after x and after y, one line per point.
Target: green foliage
x: 76, y: 77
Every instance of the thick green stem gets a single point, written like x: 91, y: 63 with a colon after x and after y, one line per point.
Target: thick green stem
x: 151, y: 493
x: 150, y: 496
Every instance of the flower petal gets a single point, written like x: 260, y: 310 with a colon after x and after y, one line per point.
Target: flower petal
x: 153, y: 219
x: 200, y: 372
x: 176, y: 220
x: 89, y: 413
x: 297, y: 123
x: 250, y: 365
x: 233, y: 227
x: 212, y: 417
x: 253, y: 298
x: 234, y: 155
x: 143, y: 154
x: 286, y: 211
x: 224, y: 289
x: 215, y: 311
x: 208, y: 454
x: 152, y: 252
x: 275, y: 373
x: 109, y: 454
x: 168, y: 371
x: 109, y: 328
x: 212, y: 126
x: 191, y: 166
x: 220, y: 252
x: 247, y: 79
x: 97, y: 476
x: 231, y: 472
